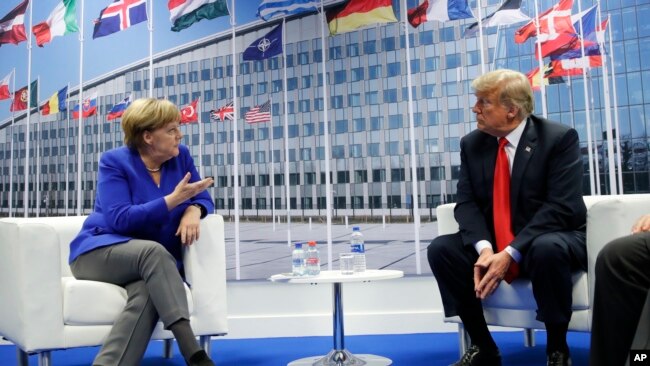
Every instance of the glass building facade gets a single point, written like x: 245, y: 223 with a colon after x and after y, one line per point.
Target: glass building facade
x: 367, y: 108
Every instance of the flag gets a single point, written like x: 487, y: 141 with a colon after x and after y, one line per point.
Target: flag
x: 572, y: 66
x: 552, y: 23
x: 358, y: 13
x: 120, y: 15
x: 589, y: 35
x: 188, y: 113
x: 535, y: 80
x: 56, y: 103
x: 265, y: 47
x: 184, y: 13
x: 270, y: 8
x: 440, y: 10
x: 61, y: 21
x: 20, y: 98
x: 4, y: 87
x: 227, y: 112
x: 260, y: 113
x: 12, y: 27
x: 508, y: 13
x: 118, y: 110
x: 88, y: 109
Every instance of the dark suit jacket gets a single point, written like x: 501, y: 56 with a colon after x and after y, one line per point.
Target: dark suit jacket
x: 545, y: 185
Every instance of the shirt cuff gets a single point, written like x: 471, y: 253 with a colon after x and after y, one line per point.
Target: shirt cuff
x: 514, y: 253
x: 482, y: 244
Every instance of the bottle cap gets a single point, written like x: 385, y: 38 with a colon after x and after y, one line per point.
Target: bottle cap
x: 311, y: 243
x: 298, y: 245
x: 355, y: 228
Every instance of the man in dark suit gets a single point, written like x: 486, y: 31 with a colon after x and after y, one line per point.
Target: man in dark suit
x: 519, y: 190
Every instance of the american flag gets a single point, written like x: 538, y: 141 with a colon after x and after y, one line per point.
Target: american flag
x: 227, y: 112
x: 261, y: 113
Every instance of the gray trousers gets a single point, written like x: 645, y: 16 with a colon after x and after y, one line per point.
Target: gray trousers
x: 155, y: 289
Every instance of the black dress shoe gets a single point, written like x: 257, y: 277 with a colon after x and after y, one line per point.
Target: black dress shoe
x: 558, y: 358
x: 475, y: 357
x: 200, y: 358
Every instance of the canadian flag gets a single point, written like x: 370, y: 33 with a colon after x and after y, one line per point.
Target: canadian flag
x: 4, y: 87
x: 552, y: 24
x: 189, y: 113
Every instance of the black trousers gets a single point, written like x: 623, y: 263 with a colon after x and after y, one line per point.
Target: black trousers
x: 549, y: 263
x: 622, y: 294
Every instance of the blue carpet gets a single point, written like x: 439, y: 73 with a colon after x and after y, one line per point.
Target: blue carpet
x: 430, y: 349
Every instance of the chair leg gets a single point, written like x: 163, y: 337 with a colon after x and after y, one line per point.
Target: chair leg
x: 205, y: 343
x: 529, y: 337
x: 44, y: 358
x: 463, y: 339
x: 168, y: 348
x: 22, y: 357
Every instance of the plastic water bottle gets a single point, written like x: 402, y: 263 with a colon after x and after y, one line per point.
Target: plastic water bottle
x: 357, y: 247
x: 313, y: 260
x: 298, y: 260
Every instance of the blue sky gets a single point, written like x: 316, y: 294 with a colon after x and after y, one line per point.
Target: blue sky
x: 57, y: 63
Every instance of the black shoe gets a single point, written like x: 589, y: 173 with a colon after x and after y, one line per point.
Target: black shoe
x: 558, y: 358
x: 200, y: 358
x: 475, y: 357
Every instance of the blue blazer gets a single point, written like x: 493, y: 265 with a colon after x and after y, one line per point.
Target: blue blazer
x: 129, y: 204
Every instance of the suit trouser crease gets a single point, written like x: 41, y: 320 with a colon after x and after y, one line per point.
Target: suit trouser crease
x: 154, y: 287
x: 452, y: 264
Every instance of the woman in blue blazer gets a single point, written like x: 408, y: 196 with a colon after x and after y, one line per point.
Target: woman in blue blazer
x: 150, y: 200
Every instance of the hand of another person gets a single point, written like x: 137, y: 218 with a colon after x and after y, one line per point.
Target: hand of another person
x: 642, y: 225
x: 189, y: 227
x: 185, y: 190
x: 489, y: 270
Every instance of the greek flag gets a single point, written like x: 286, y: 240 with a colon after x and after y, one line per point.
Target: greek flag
x: 270, y: 8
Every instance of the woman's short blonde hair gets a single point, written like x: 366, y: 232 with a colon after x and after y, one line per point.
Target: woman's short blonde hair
x: 514, y: 89
x: 147, y: 114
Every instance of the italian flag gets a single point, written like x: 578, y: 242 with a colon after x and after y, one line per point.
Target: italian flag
x: 60, y: 22
x: 358, y: 13
x: 184, y: 13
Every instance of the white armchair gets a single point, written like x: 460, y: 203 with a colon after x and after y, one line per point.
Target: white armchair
x: 45, y: 308
x: 513, y: 305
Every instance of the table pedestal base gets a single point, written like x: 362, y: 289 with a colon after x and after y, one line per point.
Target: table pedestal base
x: 342, y: 358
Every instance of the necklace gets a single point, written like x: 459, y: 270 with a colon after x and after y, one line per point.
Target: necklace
x: 153, y: 170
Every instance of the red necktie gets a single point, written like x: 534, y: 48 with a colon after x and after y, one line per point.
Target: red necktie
x: 501, y: 206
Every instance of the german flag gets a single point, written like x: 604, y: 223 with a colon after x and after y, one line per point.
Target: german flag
x: 359, y: 13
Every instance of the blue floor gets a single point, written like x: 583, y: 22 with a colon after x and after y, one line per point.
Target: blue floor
x: 428, y: 349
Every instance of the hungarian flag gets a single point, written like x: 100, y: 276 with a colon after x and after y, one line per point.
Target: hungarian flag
x: 227, y: 112
x: 21, y: 97
x: 56, y: 103
x: 359, y: 13
x: 4, y: 87
x: 189, y: 113
x: 508, y: 13
x: 60, y: 22
x: 184, y: 13
x: 440, y: 10
x: 553, y: 23
x: 12, y: 27
x: 88, y: 108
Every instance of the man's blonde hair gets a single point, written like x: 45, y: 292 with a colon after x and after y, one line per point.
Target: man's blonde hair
x: 146, y: 114
x: 514, y: 89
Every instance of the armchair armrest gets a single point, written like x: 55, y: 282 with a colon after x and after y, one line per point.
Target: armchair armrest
x: 205, y: 272
x: 30, y: 286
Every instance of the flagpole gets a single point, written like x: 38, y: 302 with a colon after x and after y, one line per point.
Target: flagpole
x: 11, y: 152
x: 236, y: 142
x: 608, y: 121
x: 150, y: 26
x: 272, y: 168
x: 29, y: 110
x: 37, y: 152
x: 538, y: 49
x: 590, y: 154
x: 287, y: 189
x: 328, y: 183
x: 67, y: 153
x: 480, y: 35
x: 414, y: 177
x: 80, y: 122
x: 618, y: 129
x: 198, y: 117
x: 597, y: 156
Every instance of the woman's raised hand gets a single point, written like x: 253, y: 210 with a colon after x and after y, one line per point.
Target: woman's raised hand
x: 185, y: 190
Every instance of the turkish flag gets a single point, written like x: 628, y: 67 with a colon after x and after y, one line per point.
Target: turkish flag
x: 189, y: 113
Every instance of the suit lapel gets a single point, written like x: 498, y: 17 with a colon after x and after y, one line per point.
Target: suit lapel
x: 525, y: 150
x: 489, y: 161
